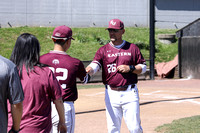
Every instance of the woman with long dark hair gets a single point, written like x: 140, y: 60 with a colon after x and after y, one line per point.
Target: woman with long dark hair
x: 39, y: 85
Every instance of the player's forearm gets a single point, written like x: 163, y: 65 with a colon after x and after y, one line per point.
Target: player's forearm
x: 16, y: 111
x: 61, y: 113
x: 92, y: 68
x: 60, y: 109
x: 139, y: 69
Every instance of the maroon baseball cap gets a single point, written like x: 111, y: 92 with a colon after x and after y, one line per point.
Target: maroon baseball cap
x: 62, y: 32
x: 115, y: 24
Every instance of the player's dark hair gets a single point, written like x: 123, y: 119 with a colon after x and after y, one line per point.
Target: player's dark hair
x: 26, y: 53
x: 60, y: 41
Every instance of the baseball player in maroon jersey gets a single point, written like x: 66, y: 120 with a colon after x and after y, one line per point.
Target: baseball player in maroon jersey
x: 66, y: 69
x: 120, y: 61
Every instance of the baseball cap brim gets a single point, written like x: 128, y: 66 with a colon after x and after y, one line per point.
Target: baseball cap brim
x: 58, y: 38
x: 114, y: 28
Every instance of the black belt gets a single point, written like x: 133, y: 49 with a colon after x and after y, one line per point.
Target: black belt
x: 120, y: 88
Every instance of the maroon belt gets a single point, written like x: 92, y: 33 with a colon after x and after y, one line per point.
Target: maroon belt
x: 120, y: 88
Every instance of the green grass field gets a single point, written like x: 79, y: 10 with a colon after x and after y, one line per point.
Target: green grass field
x: 88, y: 40
x: 87, y: 86
x: 184, y: 125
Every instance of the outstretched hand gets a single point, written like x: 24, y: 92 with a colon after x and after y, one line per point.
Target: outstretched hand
x: 89, y: 70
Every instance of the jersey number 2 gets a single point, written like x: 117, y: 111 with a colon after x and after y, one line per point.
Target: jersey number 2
x: 63, y: 77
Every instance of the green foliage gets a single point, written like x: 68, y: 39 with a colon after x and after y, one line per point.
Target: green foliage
x: 8, y: 37
x: 184, y: 125
x: 88, y: 41
x: 87, y: 86
x: 138, y: 36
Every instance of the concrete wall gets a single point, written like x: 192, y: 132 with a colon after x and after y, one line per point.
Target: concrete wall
x: 96, y: 13
x: 176, y: 13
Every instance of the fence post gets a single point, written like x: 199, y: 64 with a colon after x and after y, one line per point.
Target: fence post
x: 152, y: 38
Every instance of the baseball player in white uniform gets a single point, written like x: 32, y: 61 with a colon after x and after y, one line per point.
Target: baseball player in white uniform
x: 121, y: 62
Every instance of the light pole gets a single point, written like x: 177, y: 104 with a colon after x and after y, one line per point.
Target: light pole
x: 152, y: 38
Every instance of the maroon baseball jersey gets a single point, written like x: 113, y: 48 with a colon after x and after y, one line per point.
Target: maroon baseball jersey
x: 66, y: 69
x: 109, y: 57
x: 40, y: 88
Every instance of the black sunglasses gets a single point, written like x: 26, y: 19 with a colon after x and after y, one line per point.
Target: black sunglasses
x: 113, y: 30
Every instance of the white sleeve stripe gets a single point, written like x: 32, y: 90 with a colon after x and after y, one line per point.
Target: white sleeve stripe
x: 96, y: 63
x: 95, y: 66
x: 144, y: 67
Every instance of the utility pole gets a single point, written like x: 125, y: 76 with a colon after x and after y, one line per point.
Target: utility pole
x: 152, y: 38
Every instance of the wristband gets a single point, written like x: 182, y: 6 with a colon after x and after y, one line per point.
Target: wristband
x: 132, y: 68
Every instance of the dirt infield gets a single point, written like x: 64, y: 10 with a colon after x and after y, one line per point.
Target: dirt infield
x: 161, y: 101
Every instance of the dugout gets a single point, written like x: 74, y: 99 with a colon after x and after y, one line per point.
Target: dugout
x: 189, y: 50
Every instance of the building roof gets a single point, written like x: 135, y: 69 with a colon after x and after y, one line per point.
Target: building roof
x: 192, y: 29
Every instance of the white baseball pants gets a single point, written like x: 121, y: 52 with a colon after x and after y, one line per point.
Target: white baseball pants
x: 69, y: 117
x: 123, y: 104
